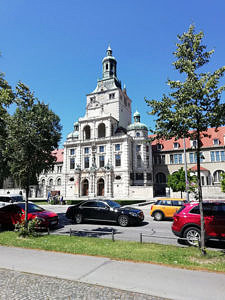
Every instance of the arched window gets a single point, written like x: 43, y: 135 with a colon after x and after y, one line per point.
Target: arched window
x: 217, y: 175
x: 87, y: 132
x: 138, y: 134
x: 43, y: 182
x: 101, y: 130
x: 160, y: 178
x: 59, y: 181
x: 51, y: 182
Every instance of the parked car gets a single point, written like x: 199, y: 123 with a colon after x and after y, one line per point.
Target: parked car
x: 166, y: 208
x: 104, y: 210
x: 14, y: 213
x: 187, y: 223
x: 9, y: 198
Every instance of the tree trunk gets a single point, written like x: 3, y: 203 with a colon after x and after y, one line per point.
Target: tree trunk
x: 202, y: 241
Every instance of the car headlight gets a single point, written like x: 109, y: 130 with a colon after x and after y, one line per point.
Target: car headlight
x: 133, y: 214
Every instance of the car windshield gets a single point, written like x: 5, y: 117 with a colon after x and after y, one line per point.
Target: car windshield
x: 17, y: 198
x: 31, y: 207
x: 112, y: 204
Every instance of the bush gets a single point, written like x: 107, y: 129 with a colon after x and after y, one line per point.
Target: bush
x: 30, y: 230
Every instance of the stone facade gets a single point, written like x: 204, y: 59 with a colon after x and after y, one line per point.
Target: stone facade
x: 105, y: 155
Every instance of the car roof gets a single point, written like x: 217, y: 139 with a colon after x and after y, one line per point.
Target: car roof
x: 172, y: 199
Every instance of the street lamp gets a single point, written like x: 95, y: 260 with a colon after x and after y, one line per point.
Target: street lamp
x: 186, y: 174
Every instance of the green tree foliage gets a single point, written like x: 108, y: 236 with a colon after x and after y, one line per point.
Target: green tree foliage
x: 194, y: 103
x: 6, y: 98
x: 177, y: 183
x: 223, y: 182
x: 34, y: 132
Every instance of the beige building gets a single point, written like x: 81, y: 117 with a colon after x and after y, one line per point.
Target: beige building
x: 105, y: 155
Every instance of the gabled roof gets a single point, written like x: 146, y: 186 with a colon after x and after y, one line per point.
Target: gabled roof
x: 207, y: 141
x: 59, y: 155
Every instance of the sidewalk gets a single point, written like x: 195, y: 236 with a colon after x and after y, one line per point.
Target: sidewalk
x: 135, y: 277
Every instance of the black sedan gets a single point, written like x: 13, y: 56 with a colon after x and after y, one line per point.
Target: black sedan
x: 104, y: 210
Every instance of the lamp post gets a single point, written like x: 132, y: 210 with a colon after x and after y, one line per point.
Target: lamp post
x: 186, y: 174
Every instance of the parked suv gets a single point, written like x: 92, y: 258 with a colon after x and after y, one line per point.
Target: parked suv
x: 165, y: 208
x: 187, y: 223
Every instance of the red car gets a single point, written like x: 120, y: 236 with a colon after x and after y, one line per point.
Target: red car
x: 186, y: 222
x: 13, y: 213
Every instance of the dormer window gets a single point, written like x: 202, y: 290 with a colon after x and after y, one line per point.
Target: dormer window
x: 194, y: 144
x: 176, y: 145
x: 216, y: 142
x: 159, y: 146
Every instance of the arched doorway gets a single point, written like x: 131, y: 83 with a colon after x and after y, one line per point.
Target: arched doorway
x: 100, y: 187
x: 85, y: 186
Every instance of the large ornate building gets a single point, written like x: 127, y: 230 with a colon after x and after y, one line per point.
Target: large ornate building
x: 105, y: 155
x: 108, y: 155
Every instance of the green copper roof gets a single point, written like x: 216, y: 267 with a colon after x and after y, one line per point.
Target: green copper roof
x: 137, y: 126
x: 136, y: 114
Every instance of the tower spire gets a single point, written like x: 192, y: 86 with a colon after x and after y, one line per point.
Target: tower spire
x: 109, y: 65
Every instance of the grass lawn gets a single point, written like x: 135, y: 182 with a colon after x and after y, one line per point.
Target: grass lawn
x: 122, y: 250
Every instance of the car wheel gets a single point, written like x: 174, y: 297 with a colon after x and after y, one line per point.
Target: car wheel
x: 158, y: 216
x: 123, y: 220
x: 192, y: 236
x: 78, y: 218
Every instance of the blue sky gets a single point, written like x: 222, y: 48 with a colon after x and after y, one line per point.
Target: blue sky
x: 56, y: 47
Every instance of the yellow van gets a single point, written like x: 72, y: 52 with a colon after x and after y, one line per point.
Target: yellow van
x: 166, y: 208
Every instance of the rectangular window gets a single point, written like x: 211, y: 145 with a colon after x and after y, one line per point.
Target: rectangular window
x: 149, y: 176
x: 217, y: 156
x: 163, y: 159
x: 147, y: 148
x: 222, y: 155
x: 72, y: 151
x: 216, y: 142
x: 138, y: 148
x: 117, y: 147
x: 139, y: 176
x: 86, y: 162
x: 147, y: 158
x: 212, y: 154
x: 72, y: 163
x: 101, y: 148
x: 118, y: 160
x: 86, y: 150
x: 175, y: 159
x: 176, y: 145
x: 191, y: 157
x: 101, y: 161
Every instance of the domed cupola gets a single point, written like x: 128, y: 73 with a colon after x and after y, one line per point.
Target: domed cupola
x: 137, y: 125
x: 109, y: 65
x: 74, y: 135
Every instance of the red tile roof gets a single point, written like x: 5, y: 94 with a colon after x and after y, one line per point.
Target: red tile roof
x: 59, y: 155
x: 207, y: 141
x: 194, y: 169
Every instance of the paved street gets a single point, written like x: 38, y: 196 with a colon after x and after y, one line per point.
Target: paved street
x: 157, y: 232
